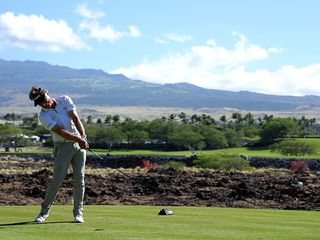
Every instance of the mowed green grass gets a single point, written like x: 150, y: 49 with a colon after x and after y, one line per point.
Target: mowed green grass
x: 234, y: 151
x: 251, y: 152
x: 142, y: 222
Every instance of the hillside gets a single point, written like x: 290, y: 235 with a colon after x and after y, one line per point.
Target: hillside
x: 95, y: 87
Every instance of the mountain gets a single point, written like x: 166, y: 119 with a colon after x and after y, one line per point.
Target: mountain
x: 96, y: 87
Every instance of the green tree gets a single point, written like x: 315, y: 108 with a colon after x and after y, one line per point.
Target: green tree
x: 195, y: 119
x: 135, y: 131
x: 237, y: 117
x: 184, y: 136
x: 40, y: 130
x: 104, y: 136
x: 234, y: 138
x: 11, y: 117
x: 172, y: 117
x: 183, y: 117
x: 250, y: 131
x: 129, y: 125
x: 248, y: 119
x: 30, y: 122
x: 277, y: 129
x: 115, y: 119
x: 207, y: 120
x: 89, y: 119
x: 9, y: 133
x: 305, y: 125
x: 8, y: 129
x: 223, y: 119
x: 159, y: 129
x: 137, y: 136
x: 108, y: 119
x: 109, y: 136
x: 213, y: 138
x: 237, y: 122
x: 267, y: 117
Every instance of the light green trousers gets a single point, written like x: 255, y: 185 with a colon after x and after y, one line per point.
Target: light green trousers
x: 66, y: 153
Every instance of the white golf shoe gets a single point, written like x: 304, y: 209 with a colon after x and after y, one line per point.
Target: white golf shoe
x: 41, y: 217
x: 78, y: 218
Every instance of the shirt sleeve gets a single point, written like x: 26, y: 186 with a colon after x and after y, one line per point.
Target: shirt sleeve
x: 47, y: 122
x: 69, y: 105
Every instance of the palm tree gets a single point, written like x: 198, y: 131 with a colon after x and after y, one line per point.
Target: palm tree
x: 172, y: 117
x: 248, y: 118
x: 183, y: 117
x: 116, y: 119
x: 223, y: 119
x: 195, y: 119
x: 108, y: 119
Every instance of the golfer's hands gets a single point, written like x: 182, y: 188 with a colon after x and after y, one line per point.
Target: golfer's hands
x: 83, y: 143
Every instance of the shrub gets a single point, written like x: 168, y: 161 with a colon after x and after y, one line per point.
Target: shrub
x: 146, y: 164
x: 222, y: 162
x: 299, y: 166
x: 174, y: 164
x: 293, y: 148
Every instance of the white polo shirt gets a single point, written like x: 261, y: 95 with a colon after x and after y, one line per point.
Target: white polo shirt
x: 59, y: 116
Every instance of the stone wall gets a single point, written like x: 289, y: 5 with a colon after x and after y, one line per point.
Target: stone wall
x: 115, y: 161
x: 131, y: 161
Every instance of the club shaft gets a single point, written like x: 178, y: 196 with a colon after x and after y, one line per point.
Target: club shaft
x: 98, y: 156
x: 101, y: 158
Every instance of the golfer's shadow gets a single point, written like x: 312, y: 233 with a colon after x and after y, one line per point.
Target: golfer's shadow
x: 31, y: 222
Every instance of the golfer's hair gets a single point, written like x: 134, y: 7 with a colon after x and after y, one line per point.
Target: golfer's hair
x: 35, y: 91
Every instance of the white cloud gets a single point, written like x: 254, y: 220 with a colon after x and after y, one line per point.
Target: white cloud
x: 134, y: 31
x: 38, y: 33
x: 172, y: 37
x: 107, y: 32
x: 178, y: 38
x: 101, y: 33
x: 83, y: 10
x: 160, y: 40
x: 216, y: 67
x: 93, y: 29
x: 288, y: 80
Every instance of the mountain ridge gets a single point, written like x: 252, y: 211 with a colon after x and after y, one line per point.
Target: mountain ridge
x: 96, y: 87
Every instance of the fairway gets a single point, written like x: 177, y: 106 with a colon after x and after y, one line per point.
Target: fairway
x: 142, y: 222
x: 251, y: 152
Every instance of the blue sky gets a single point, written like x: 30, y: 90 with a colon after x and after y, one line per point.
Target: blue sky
x: 266, y: 46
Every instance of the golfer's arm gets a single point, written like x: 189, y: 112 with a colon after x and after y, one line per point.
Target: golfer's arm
x: 77, y: 122
x: 65, y: 134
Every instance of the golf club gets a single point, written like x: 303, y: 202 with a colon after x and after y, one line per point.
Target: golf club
x: 145, y: 182
x: 98, y: 156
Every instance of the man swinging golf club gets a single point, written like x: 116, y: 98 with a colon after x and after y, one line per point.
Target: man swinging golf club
x: 60, y: 117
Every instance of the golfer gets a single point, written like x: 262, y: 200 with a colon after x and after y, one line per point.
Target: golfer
x: 60, y: 117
